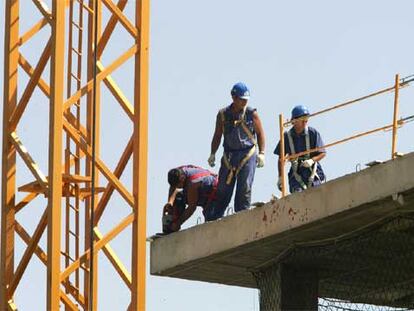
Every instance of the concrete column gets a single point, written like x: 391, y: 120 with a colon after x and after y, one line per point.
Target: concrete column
x: 284, y: 287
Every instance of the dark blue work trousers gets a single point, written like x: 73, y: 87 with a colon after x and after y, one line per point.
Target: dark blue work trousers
x: 243, y: 182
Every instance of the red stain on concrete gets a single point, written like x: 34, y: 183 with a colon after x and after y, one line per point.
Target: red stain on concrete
x: 264, y: 216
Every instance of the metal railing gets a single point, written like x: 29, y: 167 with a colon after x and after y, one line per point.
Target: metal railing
x: 399, y: 83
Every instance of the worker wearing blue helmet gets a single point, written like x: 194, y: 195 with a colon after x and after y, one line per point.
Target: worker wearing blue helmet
x: 305, y: 171
x: 244, y: 148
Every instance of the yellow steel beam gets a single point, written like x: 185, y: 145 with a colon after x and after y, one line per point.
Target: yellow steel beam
x: 68, y: 303
x: 26, y: 200
x: 44, y: 87
x: 24, y: 100
x: 114, y: 259
x: 101, y: 243
x: 75, y: 294
x: 32, y: 31
x: 28, y: 254
x: 28, y: 240
x: 108, y: 70
x: 99, y: 164
x: 117, y: 93
x: 110, y: 26
x: 28, y: 160
x: 93, y: 108
x: 133, y: 30
x: 123, y: 161
x: 44, y: 9
x: 55, y: 155
x: 140, y: 151
x: 43, y: 258
x: 8, y: 180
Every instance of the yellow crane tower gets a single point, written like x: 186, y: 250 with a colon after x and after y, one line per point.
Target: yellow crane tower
x: 75, y: 184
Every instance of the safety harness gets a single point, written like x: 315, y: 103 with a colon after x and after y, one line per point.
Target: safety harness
x: 172, y: 213
x: 235, y: 170
x: 297, y: 161
x: 212, y: 194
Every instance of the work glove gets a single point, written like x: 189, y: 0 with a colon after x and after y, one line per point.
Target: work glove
x: 279, y: 183
x: 308, y: 163
x: 260, y: 160
x: 212, y: 160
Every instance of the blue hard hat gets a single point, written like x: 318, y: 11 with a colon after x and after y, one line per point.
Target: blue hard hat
x: 299, y: 111
x: 240, y: 90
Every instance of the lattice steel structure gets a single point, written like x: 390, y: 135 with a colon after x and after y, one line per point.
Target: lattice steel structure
x: 64, y: 78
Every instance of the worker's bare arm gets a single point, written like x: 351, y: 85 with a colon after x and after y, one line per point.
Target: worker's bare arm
x: 259, y: 132
x: 218, y: 132
x: 192, y: 198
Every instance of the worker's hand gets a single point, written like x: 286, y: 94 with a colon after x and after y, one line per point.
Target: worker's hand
x: 260, y: 160
x: 308, y: 163
x: 212, y: 160
x: 279, y: 183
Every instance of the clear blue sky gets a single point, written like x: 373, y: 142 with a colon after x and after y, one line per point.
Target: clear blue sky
x: 317, y: 53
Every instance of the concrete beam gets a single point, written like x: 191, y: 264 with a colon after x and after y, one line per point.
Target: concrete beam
x: 227, y: 250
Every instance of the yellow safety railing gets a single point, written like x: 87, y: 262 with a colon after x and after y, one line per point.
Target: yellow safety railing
x: 399, y: 83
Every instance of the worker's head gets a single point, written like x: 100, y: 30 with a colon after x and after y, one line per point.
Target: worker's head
x: 240, y: 94
x: 176, y: 178
x: 300, y: 116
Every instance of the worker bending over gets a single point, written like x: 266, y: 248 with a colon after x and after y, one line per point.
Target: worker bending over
x: 190, y: 186
x: 242, y: 130
x: 305, y: 171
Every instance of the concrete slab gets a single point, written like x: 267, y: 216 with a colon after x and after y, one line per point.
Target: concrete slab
x: 227, y: 250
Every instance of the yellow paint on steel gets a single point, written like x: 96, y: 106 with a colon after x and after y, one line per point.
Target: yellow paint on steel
x: 28, y: 254
x: 26, y: 200
x: 299, y: 154
x: 24, y: 100
x: 108, y: 70
x: 44, y: 87
x: 99, y: 245
x: 99, y: 164
x: 121, y: 17
x: 115, y: 260
x: 282, y: 161
x: 140, y: 151
x: 55, y: 155
x: 123, y: 161
x: 353, y: 101
x: 117, y: 93
x: 110, y: 26
x: 28, y: 160
x: 32, y: 31
x: 68, y: 303
x: 44, y: 9
x: 8, y: 184
x: 395, y: 117
x: 28, y: 240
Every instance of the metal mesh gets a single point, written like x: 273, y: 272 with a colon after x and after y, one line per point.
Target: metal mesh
x: 369, y: 270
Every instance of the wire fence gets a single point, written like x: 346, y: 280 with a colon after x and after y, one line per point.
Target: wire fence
x: 369, y: 270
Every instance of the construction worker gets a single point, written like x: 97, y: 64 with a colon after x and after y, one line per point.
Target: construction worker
x: 242, y: 130
x: 305, y: 171
x: 190, y: 186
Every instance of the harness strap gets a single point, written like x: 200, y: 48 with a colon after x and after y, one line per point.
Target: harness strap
x: 240, y: 122
x: 234, y: 171
x: 295, y: 162
x: 199, y: 175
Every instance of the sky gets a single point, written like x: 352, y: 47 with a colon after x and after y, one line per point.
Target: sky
x: 316, y: 53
